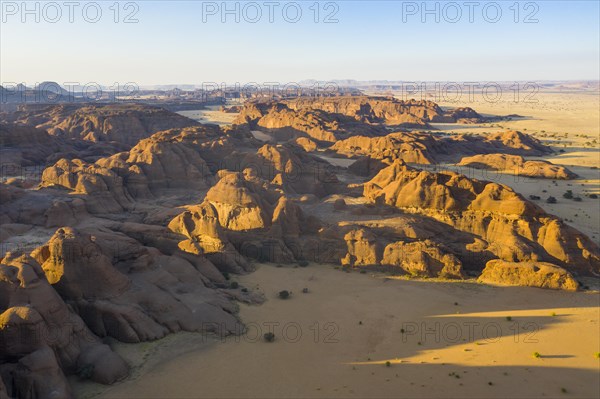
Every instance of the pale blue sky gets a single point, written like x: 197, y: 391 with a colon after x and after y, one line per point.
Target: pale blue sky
x: 171, y: 44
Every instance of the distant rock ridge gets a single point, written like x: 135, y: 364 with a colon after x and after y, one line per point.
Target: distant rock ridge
x: 425, y: 148
x: 385, y: 110
x: 285, y: 123
x: 123, y: 123
x: 167, y: 160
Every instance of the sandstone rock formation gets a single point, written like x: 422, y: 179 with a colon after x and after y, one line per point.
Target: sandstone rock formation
x: 285, y: 123
x: 409, y: 147
x: 122, y: 123
x: 512, y: 228
x: 423, y: 258
x: 306, y: 144
x: 385, y: 110
x: 25, y: 146
x: 531, y: 274
x: 168, y: 160
x: 288, y: 168
x: 252, y: 214
x: 205, y: 236
x: 130, y: 292
x: 425, y: 148
x: 506, y: 142
x: 515, y: 164
x: 42, y: 339
x: 103, y: 189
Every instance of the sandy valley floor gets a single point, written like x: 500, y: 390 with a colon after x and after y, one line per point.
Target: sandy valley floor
x: 335, y: 340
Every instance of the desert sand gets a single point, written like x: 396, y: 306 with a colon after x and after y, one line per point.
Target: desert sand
x: 565, y: 120
x: 212, y: 114
x: 339, y: 336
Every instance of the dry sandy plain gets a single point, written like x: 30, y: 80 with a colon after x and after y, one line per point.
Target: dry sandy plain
x: 460, y: 339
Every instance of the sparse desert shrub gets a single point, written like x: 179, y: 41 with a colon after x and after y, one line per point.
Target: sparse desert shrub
x: 226, y: 275
x: 86, y: 371
x: 305, y: 290
x: 269, y: 337
x: 508, y: 318
x: 388, y: 364
x: 593, y: 196
x: 551, y: 200
x: 285, y: 294
x: 534, y: 197
x: 568, y: 194
x: 363, y: 271
x: 234, y: 285
x: 302, y: 263
x: 244, y: 289
x: 577, y: 199
x: 537, y: 355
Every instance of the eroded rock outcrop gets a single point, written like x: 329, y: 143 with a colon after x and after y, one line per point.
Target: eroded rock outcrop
x: 426, y: 148
x: 42, y: 339
x: 517, y: 165
x: 252, y: 214
x: 130, y: 292
x: 102, y: 188
x: 122, y: 123
x: 514, y: 229
x: 385, y: 110
x: 24, y: 146
x: 285, y: 123
x: 530, y: 274
x: 288, y: 168
x: 205, y: 236
x: 410, y: 147
x: 170, y: 160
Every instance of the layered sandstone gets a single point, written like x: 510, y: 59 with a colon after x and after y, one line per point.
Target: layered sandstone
x: 510, y: 227
x: 517, y: 165
x: 122, y: 123
x: 385, y: 110
x: 42, y: 339
x: 285, y: 123
x: 425, y: 148
x: 130, y: 292
x: 531, y: 274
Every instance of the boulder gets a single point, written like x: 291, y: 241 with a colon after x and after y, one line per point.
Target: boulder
x: 530, y: 274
